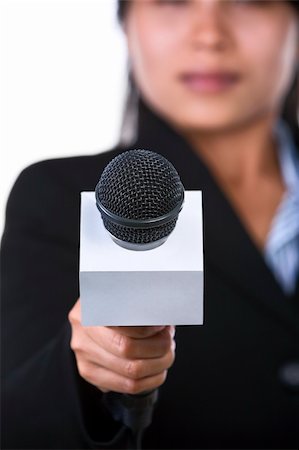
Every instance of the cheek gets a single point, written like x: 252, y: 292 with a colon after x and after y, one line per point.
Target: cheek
x: 152, y: 54
x: 271, y: 52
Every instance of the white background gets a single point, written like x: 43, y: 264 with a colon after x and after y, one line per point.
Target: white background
x: 63, y: 81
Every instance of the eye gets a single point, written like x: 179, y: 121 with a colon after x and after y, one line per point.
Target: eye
x: 259, y: 3
x: 174, y: 3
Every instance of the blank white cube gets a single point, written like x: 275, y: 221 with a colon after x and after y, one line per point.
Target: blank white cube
x: 162, y: 286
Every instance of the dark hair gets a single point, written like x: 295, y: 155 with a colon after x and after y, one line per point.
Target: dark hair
x: 290, y: 111
x: 122, y: 6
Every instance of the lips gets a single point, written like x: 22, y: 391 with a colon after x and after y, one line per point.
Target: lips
x: 209, y: 82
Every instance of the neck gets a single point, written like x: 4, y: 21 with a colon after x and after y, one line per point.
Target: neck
x: 238, y: 156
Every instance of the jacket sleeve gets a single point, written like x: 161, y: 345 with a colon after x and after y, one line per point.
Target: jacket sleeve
x: 46, y: 404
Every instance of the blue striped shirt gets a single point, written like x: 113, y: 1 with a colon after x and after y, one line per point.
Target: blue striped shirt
x: 282, y: 246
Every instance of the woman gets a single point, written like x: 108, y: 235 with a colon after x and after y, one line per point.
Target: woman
x: 212, y: 79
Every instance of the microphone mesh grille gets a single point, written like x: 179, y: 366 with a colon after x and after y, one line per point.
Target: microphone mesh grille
x: 139, y: 184
x: 138, y: 235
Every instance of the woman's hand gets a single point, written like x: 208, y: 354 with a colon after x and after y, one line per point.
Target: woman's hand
x: 122, y: 359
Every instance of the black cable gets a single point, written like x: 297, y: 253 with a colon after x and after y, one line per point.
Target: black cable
x: 135, y: 440
x: 138, y: 438
x: 114, y: 441
x: 134, y: 411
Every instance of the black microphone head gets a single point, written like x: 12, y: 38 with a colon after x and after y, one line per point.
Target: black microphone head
x: 139, y: 195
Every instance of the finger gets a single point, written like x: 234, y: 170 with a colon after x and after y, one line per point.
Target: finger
x: 106, y: 380
x: 129, y: 348
x: 89, y: 353
x: 74, y: 315
x: 171, y: 329
x: 130, y: 368
x: 137, y: 332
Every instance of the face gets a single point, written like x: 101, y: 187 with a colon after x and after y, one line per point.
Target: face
x: 212, y: 64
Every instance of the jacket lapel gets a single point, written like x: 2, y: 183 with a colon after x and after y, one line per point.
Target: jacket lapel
x: 228, y: 248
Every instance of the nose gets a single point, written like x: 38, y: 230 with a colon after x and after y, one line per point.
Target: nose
x: 209, y: 30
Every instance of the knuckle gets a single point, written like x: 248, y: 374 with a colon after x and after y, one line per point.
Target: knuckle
x: 166, y: 344
x: 117, y: 340
x: 74, y: 344
x: 142, y: 332
x: 84, y: 370
x: 172, y: 355
x: 74, y: 315
x: 162, y: 377
x: 134, y: 369
x: 77, y: 344
x: 131, y: 386
x: 171, y: 362
x: 71, y: 317
x: 123, y: 344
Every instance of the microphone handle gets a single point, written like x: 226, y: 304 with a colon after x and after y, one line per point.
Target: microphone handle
x: 134, y: 411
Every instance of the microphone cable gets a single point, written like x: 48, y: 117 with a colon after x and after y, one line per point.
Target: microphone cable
x: 134, y: 411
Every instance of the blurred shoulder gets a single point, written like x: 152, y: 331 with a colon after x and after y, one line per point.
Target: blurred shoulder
x: 55, y: 184
x: 69, y: 170
x: 71, y: 173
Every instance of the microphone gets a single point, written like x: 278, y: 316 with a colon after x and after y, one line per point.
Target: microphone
x: 139, y: 196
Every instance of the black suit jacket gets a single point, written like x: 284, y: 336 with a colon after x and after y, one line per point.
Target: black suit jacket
x: 226, y: 388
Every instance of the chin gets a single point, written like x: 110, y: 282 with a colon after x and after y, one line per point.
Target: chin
x: 202, y: 116
x: 207, y: 124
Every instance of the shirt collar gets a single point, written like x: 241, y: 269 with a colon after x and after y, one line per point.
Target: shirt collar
x: 288, y: 158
